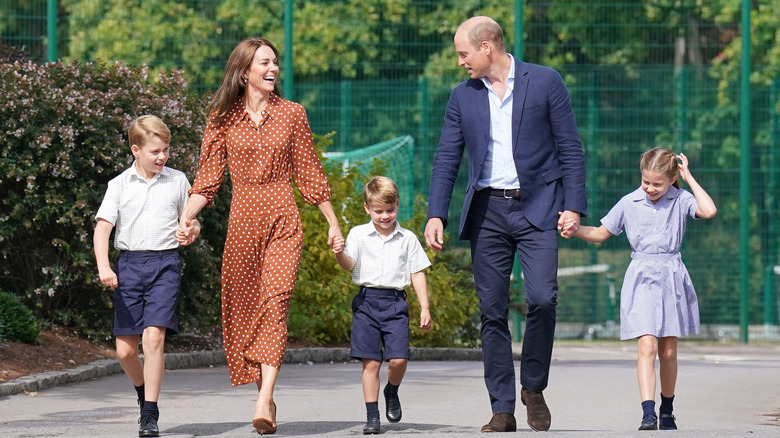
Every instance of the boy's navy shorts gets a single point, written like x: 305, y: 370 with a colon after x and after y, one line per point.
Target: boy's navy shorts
x: 380, y: 318
x: 148, y: 291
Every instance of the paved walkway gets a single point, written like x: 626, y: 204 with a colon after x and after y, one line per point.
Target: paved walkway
x: 722, y: 391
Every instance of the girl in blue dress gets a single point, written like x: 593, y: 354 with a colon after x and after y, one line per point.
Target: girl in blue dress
x: 657, y: 302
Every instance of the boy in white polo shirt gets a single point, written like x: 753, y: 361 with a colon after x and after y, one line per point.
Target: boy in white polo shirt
x: 384, y: 259
x: 144, y: 203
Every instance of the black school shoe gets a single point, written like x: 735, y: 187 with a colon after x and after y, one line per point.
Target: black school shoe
x: 667, y: 422
x: 371, y: 427
x: 148, y: 426
x: 649, y: 422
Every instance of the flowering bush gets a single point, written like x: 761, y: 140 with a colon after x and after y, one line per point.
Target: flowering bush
x: 63, y: 131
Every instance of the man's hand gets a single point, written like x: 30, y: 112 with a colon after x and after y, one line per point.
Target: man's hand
x: 434, y: 233
x: 568, y: 223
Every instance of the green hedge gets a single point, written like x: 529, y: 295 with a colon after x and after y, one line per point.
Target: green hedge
x: 17, y: 322
x: 63, y: 130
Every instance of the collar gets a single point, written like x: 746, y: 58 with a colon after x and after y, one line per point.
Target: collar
x: 510, y: 79
x: 271, y: 108
x: 135, y: 173
x: 640, y: 195
x: 373, y: 231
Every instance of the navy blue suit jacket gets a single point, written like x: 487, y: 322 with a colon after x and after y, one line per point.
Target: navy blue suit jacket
x: 546, y: 145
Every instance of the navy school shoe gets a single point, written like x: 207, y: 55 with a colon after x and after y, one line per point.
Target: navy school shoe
x: 371, y: 427
x: 667, y: 422
x: 148, y: 426
x: 649, y: 422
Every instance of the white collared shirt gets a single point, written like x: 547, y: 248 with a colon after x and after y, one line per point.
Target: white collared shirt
x: 145, y: 213
x: 498, y: 170
x: 384, y: 262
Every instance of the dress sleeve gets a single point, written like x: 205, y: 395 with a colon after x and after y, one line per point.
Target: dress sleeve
x: 615, y: 219
x: 307, y: 169
x: 213, y: 158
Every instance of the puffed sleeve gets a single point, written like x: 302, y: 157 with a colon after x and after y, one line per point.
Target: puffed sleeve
x: 307, y: 169
x: 213, y: 159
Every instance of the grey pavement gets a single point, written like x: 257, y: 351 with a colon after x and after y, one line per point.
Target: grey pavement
x: 723, y: 390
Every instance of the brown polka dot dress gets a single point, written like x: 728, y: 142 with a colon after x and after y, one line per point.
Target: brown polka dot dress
x: 264, y: 237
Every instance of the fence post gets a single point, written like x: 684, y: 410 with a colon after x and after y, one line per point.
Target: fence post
x: 424, y: 145
x: 744, y: 171
x: 289, y: 85
x: 517, y: 52
x: 346, y: 115
x: 51, y: 30
x: 770, y: 294
x: 682, y: 107
x: 591, y: 163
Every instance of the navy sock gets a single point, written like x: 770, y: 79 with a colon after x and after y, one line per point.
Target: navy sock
x: 648, y: 408
x: 372, y: 410
x: 666, y: 405
x: 141, y: 394
x: 150, y: 408
x: 140, y: 391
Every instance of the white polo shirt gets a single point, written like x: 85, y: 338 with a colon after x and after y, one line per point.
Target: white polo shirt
x: 384, y: 262
x: 145, y: 214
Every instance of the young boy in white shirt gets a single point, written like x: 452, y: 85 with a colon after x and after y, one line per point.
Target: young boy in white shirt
x: 384, y: 259
x: 144, y: 203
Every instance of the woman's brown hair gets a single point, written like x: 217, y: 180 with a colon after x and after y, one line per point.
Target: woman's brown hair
x: 232, y: 87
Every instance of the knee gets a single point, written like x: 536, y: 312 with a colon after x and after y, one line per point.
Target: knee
x: 398, y: 363
x: 371, y: 366
x: 125, y: 352
x: 153, y: 339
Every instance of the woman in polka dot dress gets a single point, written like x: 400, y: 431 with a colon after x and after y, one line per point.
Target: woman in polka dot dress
x: 265, y: 139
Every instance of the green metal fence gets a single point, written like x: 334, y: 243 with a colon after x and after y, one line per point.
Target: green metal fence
x: 642, y: 73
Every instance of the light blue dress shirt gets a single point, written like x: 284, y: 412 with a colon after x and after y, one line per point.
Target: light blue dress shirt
x: 499, y: 169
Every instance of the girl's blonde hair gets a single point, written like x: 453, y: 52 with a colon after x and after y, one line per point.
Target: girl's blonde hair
x: 233, y: 87
x: 662, y: 161
x: 381, y: 190
x: 145, y: 127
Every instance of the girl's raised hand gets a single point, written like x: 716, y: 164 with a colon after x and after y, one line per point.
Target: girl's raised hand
x: 682, y: 167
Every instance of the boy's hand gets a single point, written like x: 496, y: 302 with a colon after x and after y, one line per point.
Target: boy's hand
x: 108, y: 278
x: 338, y: 245
x: 425, y: 320
x: 187, y: 232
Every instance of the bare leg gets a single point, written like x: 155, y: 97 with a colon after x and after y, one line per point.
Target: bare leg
x: 667, y: 355
x: 371, y: 380
x: 265, y: 393
x: 646, y: 353
x: 127, y: 352
x: 396, y: 371
x: 153, y: 342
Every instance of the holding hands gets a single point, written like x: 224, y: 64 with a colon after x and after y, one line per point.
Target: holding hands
x: 337, y: 246
x: 188, y: 231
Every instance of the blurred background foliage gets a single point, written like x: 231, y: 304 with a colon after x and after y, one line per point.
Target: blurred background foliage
x: 642, y: 73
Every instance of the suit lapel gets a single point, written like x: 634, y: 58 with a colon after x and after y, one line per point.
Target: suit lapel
x: 518, y: 101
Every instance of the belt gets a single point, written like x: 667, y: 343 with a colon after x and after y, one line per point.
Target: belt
x: 380, y: 291
x: 505, y: 193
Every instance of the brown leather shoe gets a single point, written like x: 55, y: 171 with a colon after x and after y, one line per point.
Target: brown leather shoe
x: 538, y: 413
x: 501, y: 422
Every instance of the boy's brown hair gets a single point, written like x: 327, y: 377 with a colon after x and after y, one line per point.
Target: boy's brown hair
x: 381, y: 190
x: 145, y: 127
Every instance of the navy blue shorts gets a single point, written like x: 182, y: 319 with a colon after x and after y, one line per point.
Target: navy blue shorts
x: 148, y: 291
x: 380, y: 324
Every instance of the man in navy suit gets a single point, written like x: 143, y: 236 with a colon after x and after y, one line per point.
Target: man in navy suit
x: 526, y: 178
